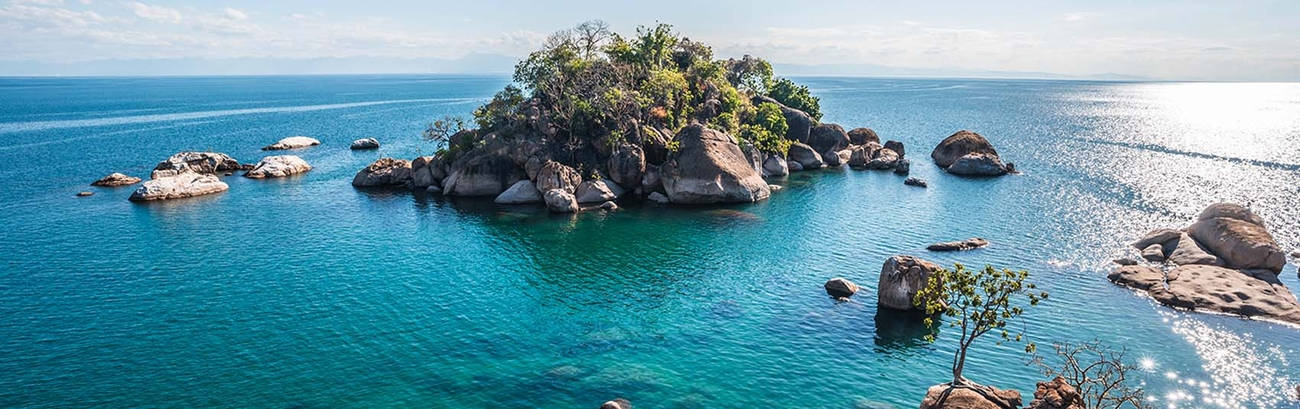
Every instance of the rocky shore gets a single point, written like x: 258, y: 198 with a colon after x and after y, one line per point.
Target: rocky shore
x: 1226, y: 261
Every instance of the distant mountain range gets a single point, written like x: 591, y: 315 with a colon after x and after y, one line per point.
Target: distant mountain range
x: 469, y: 64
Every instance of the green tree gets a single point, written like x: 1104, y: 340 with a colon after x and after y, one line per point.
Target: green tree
x: 978, y: 302
x: 750, y: 73
x: 440, y: 131
x: 796, y: 96
x: 767, y: 130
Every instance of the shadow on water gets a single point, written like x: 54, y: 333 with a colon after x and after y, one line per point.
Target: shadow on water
x: 901, y: 329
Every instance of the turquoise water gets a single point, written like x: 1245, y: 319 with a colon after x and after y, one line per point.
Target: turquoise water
x: 307, y: 293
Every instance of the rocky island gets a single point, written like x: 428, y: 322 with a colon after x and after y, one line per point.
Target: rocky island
x: 599, y: 117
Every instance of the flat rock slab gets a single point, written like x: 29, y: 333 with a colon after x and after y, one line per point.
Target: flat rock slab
x: 292, y: 142
x: 1252, y: 293
x: 188, y: 184
x: 968, y: 244
x: 278, y: 167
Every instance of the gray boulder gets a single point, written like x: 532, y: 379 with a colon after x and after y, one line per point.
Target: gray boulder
x: 884, y: 159
x: 709, y: 167
x: 775, y: 165
x: 428, y: 171
x: 903, y: 167
x: 861, y: 155
x: 978, y: 164
x: 1154, y: 253
x: 914, y: 181
x: 840, y: 288
x: 897, y: 147
x: 826, y: 137
x: 384, y: 172
x: 961, y: 245
x: 364, y: 144
x: 960, y: 144
x: 555, y: 175
x: 115, y: 180
x: 522, y: 192
x: 901, y: 277
x: 626, y: 165
x: 484, y: 175
x: 863, y: 136
x: 187, y: 184
x: 197, y: 162
x: 560, y: 201
x: 807, y: 157
x: 799, y: 123
x: 597, y: 191
x: 292, y: 142
x: 658, y: 198
x: 1187, y: 251
x: 278, y: 167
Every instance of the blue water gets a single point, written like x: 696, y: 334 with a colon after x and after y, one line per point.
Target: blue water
x: 307, y: 293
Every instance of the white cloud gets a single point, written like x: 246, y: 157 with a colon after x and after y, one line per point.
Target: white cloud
x: 236, y: 14
x: 155, y: 13
x: 1080, y: 16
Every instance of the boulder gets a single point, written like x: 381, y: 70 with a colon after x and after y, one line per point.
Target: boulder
x: 1057, y: 394
x: 115, y: 180
x: 484, y: 175
x: 897, y: 147
x: 903, y: 167
x: 840, y: 288
x: 626, y: 165
x: 968, y: 244
x: 619, y: 403
x: 978, y: 164
x: 1216, y: 289
x: 384, y: 172
x: 969, y: 397
x: 861, y: 155
x: 187, y: 184
x: 85, y: 194
x: 277, y: 167
x: 655, y: 143
x: 650, y: 181
x: 560, y: 201
x: 960, y: 144
x: 1125, y: 261
x: 775, y: 165
x: 364, y: 144
x: 807, y: 157
x: 658, y: 198
x: 753, y: 155
x: 292, y: 142
x: 428, y: 171
x: 1154, y: 253
x: 900, y: 279
x: 1238, y: 237
x: 799, y: 123
x: 1163, y: 237
x: 1187, y: 251
x: 197, y: 162
x: 914, y: 181
x: 709, y: 167
x: 609, y: 206
x: 862, y: 136
x: 522, y: 192
x: 794, y: 166
x: 884, y: 159
x: 832, y: 159
x: 596, y: 191
x: 826, y: 137
x: 555, y: 175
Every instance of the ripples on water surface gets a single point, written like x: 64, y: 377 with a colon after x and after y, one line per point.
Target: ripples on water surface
x: 308, y: 293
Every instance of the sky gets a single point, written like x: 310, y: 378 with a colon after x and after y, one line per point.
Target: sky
x: 1164, y: 40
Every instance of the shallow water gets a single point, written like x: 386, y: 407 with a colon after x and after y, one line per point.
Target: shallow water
x: 306, y: 292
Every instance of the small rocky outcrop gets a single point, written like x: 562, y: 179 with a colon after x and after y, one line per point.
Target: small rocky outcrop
x: 833, y: 159
x: 826, y: 138
x: 914, y: 181
x: 560, y: 201
x: 903, y: 167
x: 619, y: 403
x: 278, y: 167
x: 883, y: 159
x: 863, y: 136
x: 861, y: 155
x: 597, y: 191
x: 428, y: 171
x: 775, y: 165
x: 805, y: 155
x: 1057, y: 394
x: 975, y: 154
x: 961, y: 245
x: 384, y: 172
x: 840, y: 288
x: 484, y: 175
x: 85, y: 194
x: 115, y: 180
x: 292, y: 142
x: 364, y: 144
x: 196, y: 162
x: 556, y: 175
x: 1251, y: 293
x: 709, y: 167
x: 522, y: 192
x: 901, y: 277
x: 187, y: 184
x: 970, y: 397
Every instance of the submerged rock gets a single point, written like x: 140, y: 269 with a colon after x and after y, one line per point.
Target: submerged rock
x: 1216, y: 289
x: 292, y: 142
x: 364, y: 144
x: 188, y: 184
x: 840, y: 288
x: 522, y: 192
x: 914, y: 181
x: 384, y: 172
x: 559, y: 201
x: 968, y: 244
x: 278, y: 167
x: 709, y: 167
x: 968, y: 397
x: 196, y: 162
x: 115, y: 180
x: 901, y: 277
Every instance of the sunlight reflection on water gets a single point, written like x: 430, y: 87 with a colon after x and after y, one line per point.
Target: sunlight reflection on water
x: 1240, y: 370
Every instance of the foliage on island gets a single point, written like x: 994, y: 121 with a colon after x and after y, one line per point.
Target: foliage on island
x: 977, y: 302
x: 588, y: 90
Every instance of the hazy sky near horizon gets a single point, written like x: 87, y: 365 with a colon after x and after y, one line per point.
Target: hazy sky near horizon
x: 1180, y: 40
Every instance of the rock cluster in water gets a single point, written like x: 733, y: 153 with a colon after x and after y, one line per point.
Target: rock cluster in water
x: 969, y: 154
x: 183, y: 185
x: 1225, y: 262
